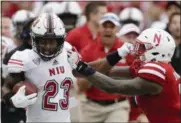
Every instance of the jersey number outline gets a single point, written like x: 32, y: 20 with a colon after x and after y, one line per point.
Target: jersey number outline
x: 51, y: 89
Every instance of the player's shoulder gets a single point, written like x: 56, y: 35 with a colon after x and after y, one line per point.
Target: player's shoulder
x: 22, y: 55
x: 21, y: 61
x: 155, y: 71
x: 155, y: 66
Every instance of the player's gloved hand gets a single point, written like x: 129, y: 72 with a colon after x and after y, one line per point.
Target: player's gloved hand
x: 125, y: 49
x: 73, y: 57
x: 20, y: 100
x: 81, y: 67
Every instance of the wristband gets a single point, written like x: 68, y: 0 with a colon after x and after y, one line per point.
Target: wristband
x: 84, y: 69
x: 113, y: 58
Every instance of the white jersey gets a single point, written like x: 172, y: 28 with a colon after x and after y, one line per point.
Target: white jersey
x: 53, y: 79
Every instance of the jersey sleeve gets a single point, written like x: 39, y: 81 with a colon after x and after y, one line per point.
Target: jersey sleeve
x: 15, y: 63
x: 153, y: 72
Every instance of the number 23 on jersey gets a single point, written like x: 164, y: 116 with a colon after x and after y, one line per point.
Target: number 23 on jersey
x: 51, y: 89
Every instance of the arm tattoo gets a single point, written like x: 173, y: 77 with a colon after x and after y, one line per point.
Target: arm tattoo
x: 122, y: 72
x: 136, y: 86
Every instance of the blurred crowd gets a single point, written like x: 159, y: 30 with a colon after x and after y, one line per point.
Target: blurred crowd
x: 84, y: 28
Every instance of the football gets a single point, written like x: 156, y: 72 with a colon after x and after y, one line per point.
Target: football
x: 30, y: 88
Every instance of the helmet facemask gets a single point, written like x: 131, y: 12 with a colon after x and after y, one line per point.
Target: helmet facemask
x: 142, y: 50
x: 47, y: 47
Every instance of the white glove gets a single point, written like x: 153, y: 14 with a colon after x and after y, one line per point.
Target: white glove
x: 125, y: 49
x: 20, y: 100
x: 73, y: 58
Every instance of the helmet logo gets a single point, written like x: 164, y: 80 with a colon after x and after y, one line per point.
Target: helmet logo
x: 157, y: 39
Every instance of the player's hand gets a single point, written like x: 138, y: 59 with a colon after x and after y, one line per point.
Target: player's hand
x: 125, y: 49
x: 81, y: 67
x: 20, y: 100
x: 73, y: 57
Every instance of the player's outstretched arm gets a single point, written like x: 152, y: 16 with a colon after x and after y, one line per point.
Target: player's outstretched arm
x: 105, y: 64
x: 136, y: 86
x: 122, y: 72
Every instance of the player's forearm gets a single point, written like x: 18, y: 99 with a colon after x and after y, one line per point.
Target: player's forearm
x: 105, y: 64
x: 103, y: 82
x: 116, y: 86
x: 101, y: 65
x: 120, y: 72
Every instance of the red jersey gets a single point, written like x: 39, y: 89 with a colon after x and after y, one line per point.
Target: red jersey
x: 165, y: 106
x: 91, y: 53
x: 80, y: 37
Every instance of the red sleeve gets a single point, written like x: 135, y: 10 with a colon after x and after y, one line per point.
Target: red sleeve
x: 153, y: 72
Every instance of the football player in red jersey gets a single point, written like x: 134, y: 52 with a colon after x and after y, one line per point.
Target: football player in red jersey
x: 151, y: 78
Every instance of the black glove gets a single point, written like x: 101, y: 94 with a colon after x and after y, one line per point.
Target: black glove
x: 84, y: 69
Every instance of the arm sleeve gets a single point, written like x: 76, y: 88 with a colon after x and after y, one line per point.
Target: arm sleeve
x: 15, y: 63
x: 153, y: 72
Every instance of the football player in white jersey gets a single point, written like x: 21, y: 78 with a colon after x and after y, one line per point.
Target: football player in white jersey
x: 46, y: 66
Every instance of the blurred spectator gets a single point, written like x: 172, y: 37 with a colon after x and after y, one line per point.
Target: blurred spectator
x: 26, y: 5
x: 69, y: 12
x: 19, y: 19
x: 100, y: 105
x: 172, y: 7
x: 82, y: 36
x: 159, y: 25
x: 128, y: 32
x: 9, y: 8
x: 6, y: 26
x: 132, y: 15
x: 174, y: 29
x: 81, y: 21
